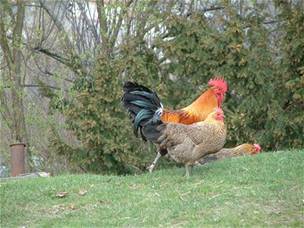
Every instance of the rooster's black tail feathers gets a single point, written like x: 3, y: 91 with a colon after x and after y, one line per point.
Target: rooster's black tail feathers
x: 144, y: 107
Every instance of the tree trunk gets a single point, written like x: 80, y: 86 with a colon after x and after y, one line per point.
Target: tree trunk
x: 13, y: 57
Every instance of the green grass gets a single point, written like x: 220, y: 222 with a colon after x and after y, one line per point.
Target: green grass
x: 262, y: 190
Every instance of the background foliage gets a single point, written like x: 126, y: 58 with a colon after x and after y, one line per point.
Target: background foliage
x: 175, y: 48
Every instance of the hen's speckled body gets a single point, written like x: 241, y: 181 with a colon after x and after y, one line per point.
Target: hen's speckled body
x: 188, y: 143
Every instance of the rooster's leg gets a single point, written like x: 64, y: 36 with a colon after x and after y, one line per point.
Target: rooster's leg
x: 151, y: 167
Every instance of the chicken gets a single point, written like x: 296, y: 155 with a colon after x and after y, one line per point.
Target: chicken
x: 244, y: 149
x: 137, y: 97
x: 201, y: 107
x: 187, y: 144
x: 141, y: 102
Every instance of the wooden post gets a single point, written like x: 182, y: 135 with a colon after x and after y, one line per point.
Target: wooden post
x: 17, y: 159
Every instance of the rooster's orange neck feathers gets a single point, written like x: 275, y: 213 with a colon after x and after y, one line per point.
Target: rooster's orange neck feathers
x: 203, y: 105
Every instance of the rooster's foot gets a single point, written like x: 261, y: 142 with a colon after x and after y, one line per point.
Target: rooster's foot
x: 151, y: 167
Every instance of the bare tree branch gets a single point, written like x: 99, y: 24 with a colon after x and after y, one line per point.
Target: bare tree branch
x: 33, y: 85
x: 5, y: 112
x: 75, y: 67
x: 213, y: 8
x: 55, y: 56
x: 103, y: 28
x: 117, y: 27
x: 4, y: 42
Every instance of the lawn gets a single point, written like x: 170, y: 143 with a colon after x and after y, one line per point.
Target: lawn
x: 262, y: 190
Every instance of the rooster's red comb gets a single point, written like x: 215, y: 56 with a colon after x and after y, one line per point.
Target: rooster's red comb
x: 218, y: 82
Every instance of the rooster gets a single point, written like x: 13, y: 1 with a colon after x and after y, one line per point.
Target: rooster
x: 142, y: 102
x: 244, y: 149
x: 187, y: 144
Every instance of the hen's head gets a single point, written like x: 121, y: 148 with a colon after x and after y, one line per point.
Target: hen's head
x: 257, y: 148
x: 220, y: 88
x: 250, y: 149
x: 218, y: 114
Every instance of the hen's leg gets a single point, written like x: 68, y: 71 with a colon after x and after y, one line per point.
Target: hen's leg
x: 151, y: 167
x: 188, y: 170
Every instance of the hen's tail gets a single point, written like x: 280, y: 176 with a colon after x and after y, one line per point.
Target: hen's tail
x: 145, y: 109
